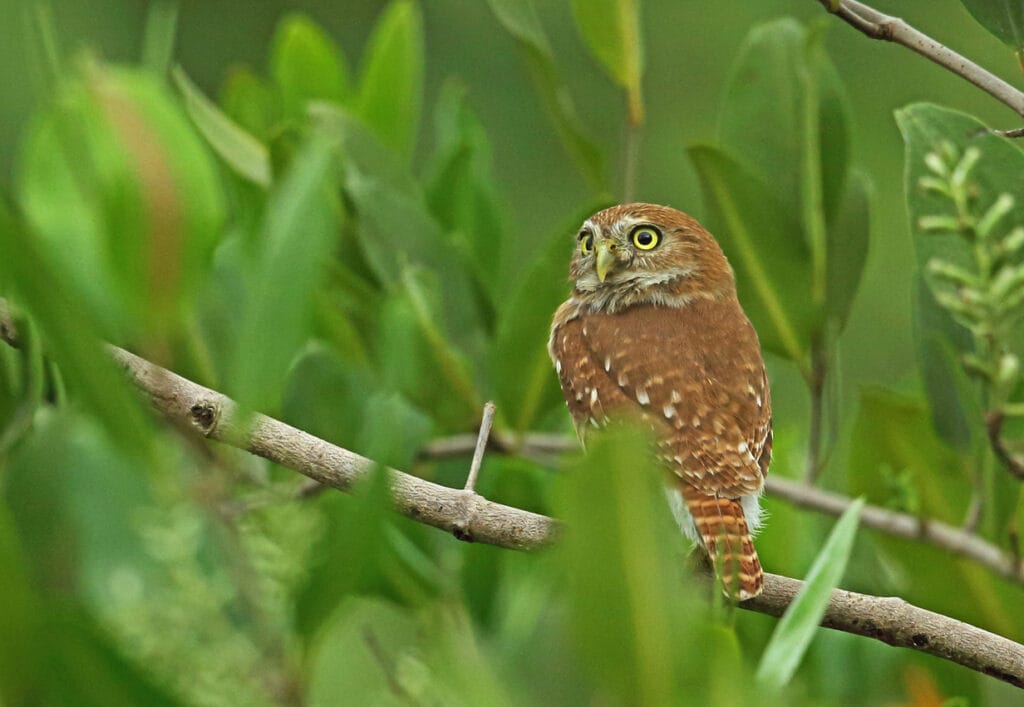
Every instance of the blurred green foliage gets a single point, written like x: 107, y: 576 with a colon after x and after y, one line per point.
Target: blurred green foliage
x: 364, y: 230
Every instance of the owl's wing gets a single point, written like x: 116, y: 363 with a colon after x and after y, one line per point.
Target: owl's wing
x: 696, y: 373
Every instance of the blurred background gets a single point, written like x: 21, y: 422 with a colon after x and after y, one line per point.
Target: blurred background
x: 216, y: 630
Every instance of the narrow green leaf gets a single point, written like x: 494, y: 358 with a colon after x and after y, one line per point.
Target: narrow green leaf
x: 798, y: 625
x: 158, y: 39
x: 241, y: 151
x: 1002, y: 18
x: 611, y: 30
x: 298, y: 235
x: 764, y: 245
x: 847, y: 248
x: 307, y: 65
x: 519, y: 18
x: 391, y: 87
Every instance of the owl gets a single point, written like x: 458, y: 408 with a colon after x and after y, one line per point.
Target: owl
x: 653, y: 330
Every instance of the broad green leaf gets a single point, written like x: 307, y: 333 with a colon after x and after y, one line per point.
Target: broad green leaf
x: 124, y: 198
x: 1003, y: 18
x: 158, y: 40
x: 611, y: 30
x: 391, y: 85
x: 798, y: 625
x: 241, y: 151
x: 624, y: 595
x: 307, y: 65
x: 847, y: 248
x: 782, y: 90
x: 519, y: 18
x: 763, y: 243
x: 297, y: 238
x: 462, y: 192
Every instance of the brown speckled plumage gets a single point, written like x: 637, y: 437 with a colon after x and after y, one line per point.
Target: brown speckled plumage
x: 663, y: 337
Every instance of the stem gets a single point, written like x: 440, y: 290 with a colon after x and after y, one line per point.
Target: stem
x: 816, y: 387
x: 631, y: 159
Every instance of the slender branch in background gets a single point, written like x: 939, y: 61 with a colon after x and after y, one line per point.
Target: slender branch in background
x: 1013, y: 463
x: 470, y: 517
x: 631, y: 159
x: 878, y: 25
x: 957, y: 541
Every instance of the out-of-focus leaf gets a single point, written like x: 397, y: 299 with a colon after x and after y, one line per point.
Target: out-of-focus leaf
x: 847, y: 248
x: 524, y: 378
x: 124, y: 198
x: 519, y: 18
x: 158, y: 40
x: 798, y: 625
x: 20, y: 615
x: 611, y: 30
x: 307, y: 65
x: 763, y: 243
x: 391, y: 86
x: 765, y: 113
x: 250, y: 101
x: 624, y: 596
x: 71, y: 340
x: 1003, y: 18
x: 461, y: 189
x: 241, y: 151
x: 297, y: 238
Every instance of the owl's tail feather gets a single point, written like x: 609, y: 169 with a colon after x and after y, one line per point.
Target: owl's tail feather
x: 723, y: 528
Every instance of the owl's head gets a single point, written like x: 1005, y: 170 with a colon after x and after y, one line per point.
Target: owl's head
x: 644, y: 253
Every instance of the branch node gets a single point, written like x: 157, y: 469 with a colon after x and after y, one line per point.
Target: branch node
x: 204, y: 415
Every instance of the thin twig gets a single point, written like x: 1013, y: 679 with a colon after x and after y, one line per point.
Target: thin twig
x: 1013, y: 463
x: 481, y: 444
x: 470, y: 517
x: 878, y: 25
x: 816, y: 386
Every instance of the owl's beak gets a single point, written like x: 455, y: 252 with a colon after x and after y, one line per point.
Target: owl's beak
x: 605, y: 258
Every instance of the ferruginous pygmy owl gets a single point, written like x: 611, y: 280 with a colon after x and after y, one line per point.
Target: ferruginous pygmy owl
x: 653, y: 329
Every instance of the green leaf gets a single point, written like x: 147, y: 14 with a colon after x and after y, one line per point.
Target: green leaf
x: 519, y: 18
x: 250, y: 102
x: 847, y: 248
x: 307, y: 65
x: 124, y: 198
x: 391, y: 87
x: 798, y: 625
x: 625, y: 602
x: 611, y: 30
x: 297, y: 238
x: 1002, y: 18
x: 524, y: 379
x: 762, y: 242
x: 158, y: 41
x: 462, y: 192
x: 241, y: 151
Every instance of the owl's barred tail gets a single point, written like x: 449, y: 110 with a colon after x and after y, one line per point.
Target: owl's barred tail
x: 723, y: 528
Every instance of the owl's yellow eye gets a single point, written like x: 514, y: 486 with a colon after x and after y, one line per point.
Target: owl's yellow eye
x: 587, y: 244
x: 646, y: 237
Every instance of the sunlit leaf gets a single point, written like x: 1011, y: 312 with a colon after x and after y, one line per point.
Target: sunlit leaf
x: 801, y: 620
x: 391, y: 84
x: 240, y: 150
x: 307, y: 65
x: 611, y: 30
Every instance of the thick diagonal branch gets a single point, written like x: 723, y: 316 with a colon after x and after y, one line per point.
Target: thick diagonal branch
x: 471, y: 517
x: 878, y: 25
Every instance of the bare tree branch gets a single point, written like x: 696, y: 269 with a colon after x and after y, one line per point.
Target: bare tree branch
x: 878, y: 25
x: 470, y: 517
